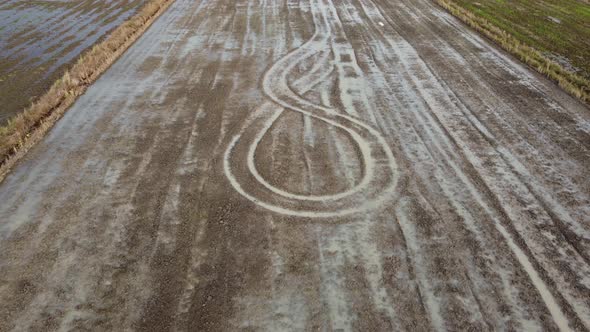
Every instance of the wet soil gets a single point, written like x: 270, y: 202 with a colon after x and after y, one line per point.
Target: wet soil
x: 356, y: 165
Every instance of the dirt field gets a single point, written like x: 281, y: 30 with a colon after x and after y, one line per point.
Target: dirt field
x: 38, y: 39
x: 323, y: 165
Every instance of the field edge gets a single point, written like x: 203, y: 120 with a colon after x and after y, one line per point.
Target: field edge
x: 574, y: 84
x: 27, y: 128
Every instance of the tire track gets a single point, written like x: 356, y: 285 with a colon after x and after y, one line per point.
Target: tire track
x: 377, y: 158
x: 529, y: 263
x: 137, y: 225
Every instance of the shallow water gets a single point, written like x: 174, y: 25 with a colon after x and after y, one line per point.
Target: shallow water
x: 39, y: 39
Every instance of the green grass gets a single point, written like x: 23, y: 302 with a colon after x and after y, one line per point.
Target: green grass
x: 529, y: 22
x: 537, y: 32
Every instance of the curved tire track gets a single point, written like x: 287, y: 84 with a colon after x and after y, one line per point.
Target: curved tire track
x: 380, y: 168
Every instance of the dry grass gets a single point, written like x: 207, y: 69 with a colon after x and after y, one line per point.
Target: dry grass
x: 574, y: 84
x: 27, y: 128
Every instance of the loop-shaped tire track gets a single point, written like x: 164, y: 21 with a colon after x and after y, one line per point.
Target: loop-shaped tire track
x: 379, y: 174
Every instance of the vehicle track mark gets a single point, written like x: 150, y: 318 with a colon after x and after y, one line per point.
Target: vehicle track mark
x: 380, y: 172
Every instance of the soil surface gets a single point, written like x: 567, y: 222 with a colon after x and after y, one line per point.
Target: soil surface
x: 39, y: 39
x: 354, y: 165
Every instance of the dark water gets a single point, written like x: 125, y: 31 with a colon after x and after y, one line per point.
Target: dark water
x: 38, y: 40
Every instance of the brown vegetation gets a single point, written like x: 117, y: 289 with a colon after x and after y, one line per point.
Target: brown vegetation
x: 35, y: 54
x: 571, y: 82
x: 27, y: 128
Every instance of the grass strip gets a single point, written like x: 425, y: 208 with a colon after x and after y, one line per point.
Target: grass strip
x: 571, y: 82
x: 27, y: 128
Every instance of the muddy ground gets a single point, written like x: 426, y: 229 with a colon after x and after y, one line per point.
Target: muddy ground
x: 39, y: 39
x: 304, y: 165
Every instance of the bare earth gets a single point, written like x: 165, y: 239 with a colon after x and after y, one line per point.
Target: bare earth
x: 304, y: 165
